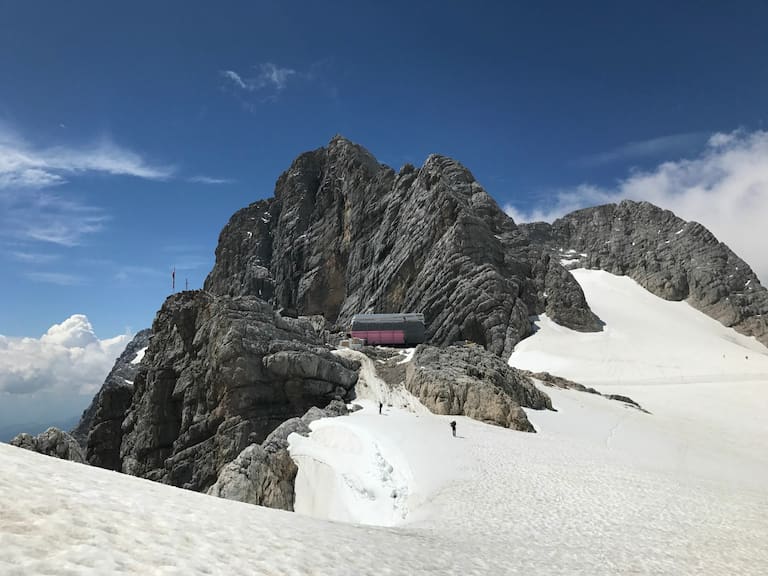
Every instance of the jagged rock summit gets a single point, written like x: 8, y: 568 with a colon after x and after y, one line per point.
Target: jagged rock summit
x: 345, y: 234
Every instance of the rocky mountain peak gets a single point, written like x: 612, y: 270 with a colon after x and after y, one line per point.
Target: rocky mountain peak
x: 345, y: 234
x: 672, y: 258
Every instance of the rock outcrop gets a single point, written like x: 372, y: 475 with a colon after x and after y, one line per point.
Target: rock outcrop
x: 52, y: 442
x: 548, y: 379
x: 345, y: 234
x: 266, y: 474
x: 220, y: 374
x: 672, y: 258
x: 122, y: 375
x: 98, y: 431
x: 469, y: 380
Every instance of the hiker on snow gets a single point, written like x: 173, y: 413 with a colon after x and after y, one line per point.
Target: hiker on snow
x: 453, y: 427
x: 381, y: 405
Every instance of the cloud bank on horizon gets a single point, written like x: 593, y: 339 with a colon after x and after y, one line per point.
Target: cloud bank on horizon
x: 725, y: 188
x: 65, y: 366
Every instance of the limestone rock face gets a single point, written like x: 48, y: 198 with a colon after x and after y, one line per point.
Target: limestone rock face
x: 668, y: 256
x: 103, y: 418
x: 221, y: 373
x: 105, y: 437
x: 52, y: 442
x: 469, y: 381
x: 345, y: 234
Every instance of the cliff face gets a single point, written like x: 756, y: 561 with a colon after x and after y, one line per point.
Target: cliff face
x: 345, y: 234
x: 672, y: 258
x: 114, y: 397
x: 221, y: 373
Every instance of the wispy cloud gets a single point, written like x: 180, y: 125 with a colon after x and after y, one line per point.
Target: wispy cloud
x: 209, y: 180
x: 34, y: 257
x: 725, y: 188
x: 235, y: 78
x: 57, y: 278
x: 264, y: 81
x: 44, y: 216
x: 30, y: 210
x: 23, y: 165
x: 654, y: 148
x: 124, y: 273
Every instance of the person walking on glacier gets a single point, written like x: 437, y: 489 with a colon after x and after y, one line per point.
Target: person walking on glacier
x: 453, y: 427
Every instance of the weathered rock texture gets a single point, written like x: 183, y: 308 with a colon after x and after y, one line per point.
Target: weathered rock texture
x: 98, y: 431
x: 469, y: 380
x: 52, y: 442
x: 265, y: 474
x: 345, y: 234
x: 668, y: 256
x: 221, y: 373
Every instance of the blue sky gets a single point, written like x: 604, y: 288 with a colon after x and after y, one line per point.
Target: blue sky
x: 130, y: 132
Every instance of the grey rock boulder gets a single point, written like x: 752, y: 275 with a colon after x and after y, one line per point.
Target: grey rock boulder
x: 468, y: 380
x: 266, y: 474
x: 52, y: 442
x: 263, y: 474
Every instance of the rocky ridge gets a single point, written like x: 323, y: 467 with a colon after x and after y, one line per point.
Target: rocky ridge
x: 52, y: 442
x: 548, y: 379
x: 108, y: 407
x: 672, y: 258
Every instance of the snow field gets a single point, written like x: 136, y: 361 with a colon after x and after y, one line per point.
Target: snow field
x: 601, y: 489
x: 645, y: 340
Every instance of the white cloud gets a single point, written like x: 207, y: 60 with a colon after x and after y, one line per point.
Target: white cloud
x: 30, y: 212
x: 58, y: 278
x: 725, y: 188
x: 234, y: 77
x: 267, y: 80
x: 209, y: 180
x: 33, y: 257
x: 25, y: 166
x: 652, y: 148
x: 275, y: 76
x: 69, y: 359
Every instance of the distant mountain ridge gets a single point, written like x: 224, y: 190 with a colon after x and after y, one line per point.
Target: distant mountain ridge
x: 672, y: 258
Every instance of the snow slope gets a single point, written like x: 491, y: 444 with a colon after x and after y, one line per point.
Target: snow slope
x: 601, y: 489
x: 706, y: 385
